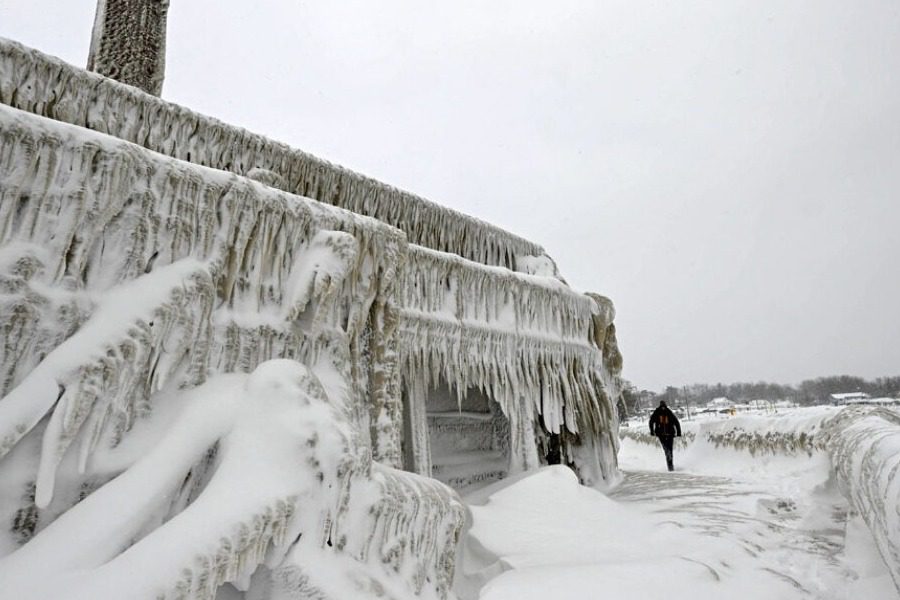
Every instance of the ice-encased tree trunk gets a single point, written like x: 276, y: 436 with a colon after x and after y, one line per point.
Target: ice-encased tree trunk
x: 129, y: 42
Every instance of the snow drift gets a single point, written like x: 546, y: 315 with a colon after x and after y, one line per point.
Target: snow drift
x: 288, y: 480
x: 862, y: 444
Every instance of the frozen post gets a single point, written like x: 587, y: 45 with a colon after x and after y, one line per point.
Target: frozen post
x: 128, y: 43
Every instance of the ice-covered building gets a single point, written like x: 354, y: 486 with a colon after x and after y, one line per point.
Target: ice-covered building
x: 156, y: 266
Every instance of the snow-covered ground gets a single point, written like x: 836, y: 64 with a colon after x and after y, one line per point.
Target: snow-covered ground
x: 725, y: 524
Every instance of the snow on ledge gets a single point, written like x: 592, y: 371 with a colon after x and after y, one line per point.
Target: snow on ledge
x: 44, y: 85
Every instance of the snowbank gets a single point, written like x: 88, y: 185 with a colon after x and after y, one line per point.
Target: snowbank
x: 277, y: 494
x: 798, y: 431
x: 543, y: 535
x: 862, y: 444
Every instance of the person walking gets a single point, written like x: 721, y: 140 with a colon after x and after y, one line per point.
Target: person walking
x: 664, y: 425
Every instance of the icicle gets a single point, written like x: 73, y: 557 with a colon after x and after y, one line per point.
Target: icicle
x: 373, y: 305
x: 51, y: 88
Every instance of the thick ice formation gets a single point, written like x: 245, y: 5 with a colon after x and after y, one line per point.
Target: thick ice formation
x: 85, y: 212
x: 46, y: 86
x: 146, y: 251
x: 129, y: 42
x: 864, y: 444
x: 526, y: 341
x: 127, y: 276
x: 302, y: 483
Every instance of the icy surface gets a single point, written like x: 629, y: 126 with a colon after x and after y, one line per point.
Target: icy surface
x: 129, y: 42
x: 863, y: 444
x: 725, y: 524
x: 129, y: 279
x: 589, y: 543
x: 154, y: 261
x: 286, y: 462
x: 860, y: 446
x: 46, y: 86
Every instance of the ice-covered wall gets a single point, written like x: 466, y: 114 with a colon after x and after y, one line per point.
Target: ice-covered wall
x: 145, y: 250
x: 529, y: 342
x: 46, y: 86
x: 82, y: 213
x: 128, y: 279
x: 864, y: 445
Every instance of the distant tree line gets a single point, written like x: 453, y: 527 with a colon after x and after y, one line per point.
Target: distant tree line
x: 809, y: 392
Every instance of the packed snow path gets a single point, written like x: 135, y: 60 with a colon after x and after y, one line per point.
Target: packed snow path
x: 775, y: 530
x: 723, y: 525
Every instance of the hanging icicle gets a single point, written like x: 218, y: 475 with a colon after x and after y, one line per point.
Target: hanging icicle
x: 49, y: 87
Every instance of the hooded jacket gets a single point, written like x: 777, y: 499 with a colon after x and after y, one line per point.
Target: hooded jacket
x: 664, y: 422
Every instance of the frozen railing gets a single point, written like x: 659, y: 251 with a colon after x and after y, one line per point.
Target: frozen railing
x: 43, y: 85
x: 243, y: 272
x: 439, y: 283
x: 527, y: 341
x: 129, y: 280
x: 864, y: 445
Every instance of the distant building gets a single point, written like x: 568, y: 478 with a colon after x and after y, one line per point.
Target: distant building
x: 849, y: 398
x: 882, y: 401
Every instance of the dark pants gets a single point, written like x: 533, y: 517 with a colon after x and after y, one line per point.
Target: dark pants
x: 667, y: 441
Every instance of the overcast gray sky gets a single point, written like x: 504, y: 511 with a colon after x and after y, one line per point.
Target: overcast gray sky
x: 728, y: 172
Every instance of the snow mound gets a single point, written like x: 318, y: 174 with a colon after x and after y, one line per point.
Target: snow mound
x: 277, y: 495
x: 543, y: 535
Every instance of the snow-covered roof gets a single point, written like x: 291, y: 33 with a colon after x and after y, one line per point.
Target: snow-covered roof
x: 850, y: 396
x: 874, y: 401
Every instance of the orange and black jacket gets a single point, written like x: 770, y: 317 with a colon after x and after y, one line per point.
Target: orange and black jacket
x: 664, y: 422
